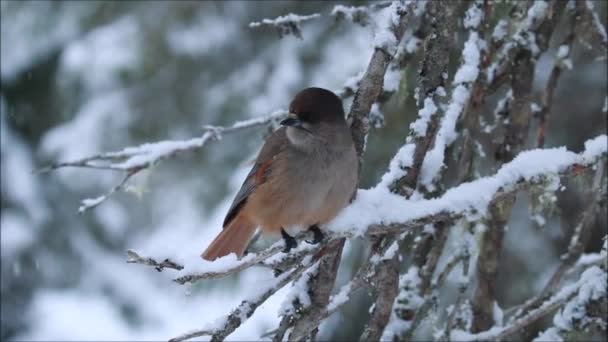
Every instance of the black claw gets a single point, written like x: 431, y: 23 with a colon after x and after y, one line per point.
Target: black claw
x: 318, y: 235
x: 290, y: 242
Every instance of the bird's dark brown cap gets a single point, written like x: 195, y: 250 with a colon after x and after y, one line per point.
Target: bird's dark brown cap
x: 313, y: 105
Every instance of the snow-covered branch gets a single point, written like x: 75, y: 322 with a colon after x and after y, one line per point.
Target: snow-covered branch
x: 532, y: 36
x: 132, y: 160
x: 136, y: 258
x: 464, y: 79
x: 286, y: 24
x: 592, y: 284
x: 225, y: 325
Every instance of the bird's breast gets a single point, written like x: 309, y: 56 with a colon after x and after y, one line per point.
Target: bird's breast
x: 305, y: 189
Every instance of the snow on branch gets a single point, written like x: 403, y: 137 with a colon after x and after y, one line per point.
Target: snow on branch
x: 533, y: 35
x: 132, y: 160
x: 286, y: 24
x: 225, y: 325
x: 590, y: 286
x: 380, y: 206
x: 356, y: 14
x: 463, y: 81
x: 146, y: 155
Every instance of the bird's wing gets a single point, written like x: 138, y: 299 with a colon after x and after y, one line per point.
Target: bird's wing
x: 275, y: 143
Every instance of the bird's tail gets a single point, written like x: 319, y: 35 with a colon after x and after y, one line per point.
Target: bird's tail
x: 234, y: 238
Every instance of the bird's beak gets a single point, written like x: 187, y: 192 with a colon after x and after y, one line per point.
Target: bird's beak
x: 292, y: 120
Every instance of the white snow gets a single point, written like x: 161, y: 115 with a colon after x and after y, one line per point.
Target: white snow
x: 387, y: 19
x: 549, y: 335
x: 288, y: 18
x: 402, y: 160
x: 536, y: 13
x: 497, y: 314
x: 90, y: 202
x: 413, y: 44
x: 500, y: 30
x: 419, y: 126
x: 389, y: 254
x: 392, y: 79
x: 470, y: 68
x: 349, y: 12
x: 340, y: 298
x: 473, y: 17
x: 563, y: 51
x: 299, y: 292
x: 408, y: 298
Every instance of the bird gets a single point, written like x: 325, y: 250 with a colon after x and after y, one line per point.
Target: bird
x: 304, y: 175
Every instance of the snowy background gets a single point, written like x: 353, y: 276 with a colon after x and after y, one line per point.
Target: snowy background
x: 79, y: 78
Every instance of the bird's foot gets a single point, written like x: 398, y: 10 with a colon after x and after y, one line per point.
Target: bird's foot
x: 317, y: 236
x: 290, y: 242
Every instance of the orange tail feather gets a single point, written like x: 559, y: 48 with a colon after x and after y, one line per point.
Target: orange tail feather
x: 234, y: 238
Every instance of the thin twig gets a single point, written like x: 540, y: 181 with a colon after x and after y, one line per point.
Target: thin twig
x: 561, y: 61
x: 135, y: 258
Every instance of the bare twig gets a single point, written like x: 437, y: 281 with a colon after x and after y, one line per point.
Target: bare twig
x: 90, y: 203
x: 562, y: 62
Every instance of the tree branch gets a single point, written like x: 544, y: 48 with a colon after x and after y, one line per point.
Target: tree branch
x: 241, y: 313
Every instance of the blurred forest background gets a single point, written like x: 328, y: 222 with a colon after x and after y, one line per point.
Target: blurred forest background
x: 83, y: 77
